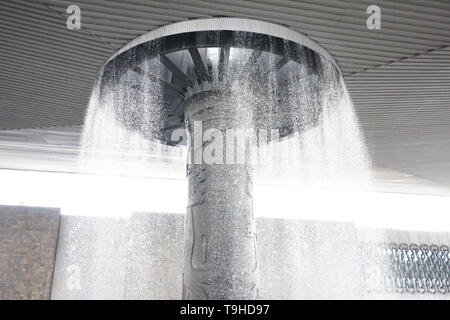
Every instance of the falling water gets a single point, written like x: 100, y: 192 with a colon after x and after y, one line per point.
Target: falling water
x: 329, y: 154
x: 327, y: 151
x: 111, y: 143
x: 324, y: 149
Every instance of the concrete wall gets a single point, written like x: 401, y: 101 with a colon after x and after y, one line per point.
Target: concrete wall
x: 28, y: 238
x: 142, y: 259
x: 308, y: 260
x: 91, y: 258
x: 155, y: 251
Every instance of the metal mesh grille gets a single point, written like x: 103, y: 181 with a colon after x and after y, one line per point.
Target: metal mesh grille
x: 406, y: 268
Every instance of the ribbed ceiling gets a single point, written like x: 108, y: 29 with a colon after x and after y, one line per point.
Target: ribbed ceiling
x: 399, y: 76
x: 404, y: 110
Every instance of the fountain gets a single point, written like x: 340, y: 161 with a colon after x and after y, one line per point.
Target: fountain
x: 230, y: 90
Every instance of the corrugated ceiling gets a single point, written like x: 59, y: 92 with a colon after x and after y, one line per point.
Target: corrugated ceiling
x: 399, y: 76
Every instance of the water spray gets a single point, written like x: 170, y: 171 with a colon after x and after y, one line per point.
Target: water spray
x: 226, y: 74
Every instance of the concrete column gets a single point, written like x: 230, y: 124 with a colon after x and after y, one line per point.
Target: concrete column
x: 220, y: 237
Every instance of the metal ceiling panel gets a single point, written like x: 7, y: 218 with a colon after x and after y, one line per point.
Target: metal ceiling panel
x: 398, y: 77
